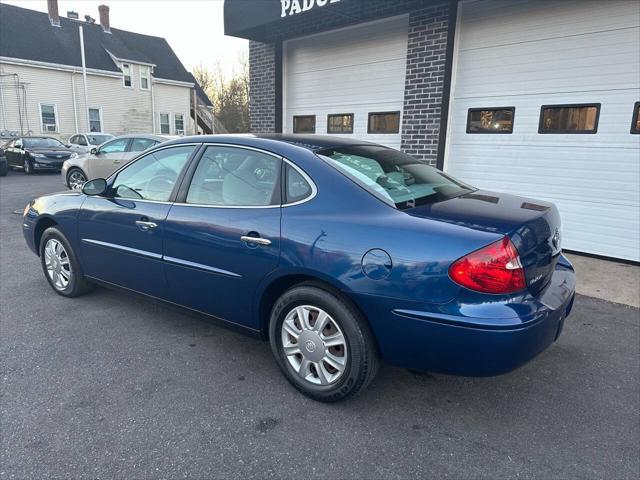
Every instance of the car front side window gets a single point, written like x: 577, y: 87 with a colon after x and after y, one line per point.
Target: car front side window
x: 153, y: 176
x: 116, y: 146
x: 231, y: 176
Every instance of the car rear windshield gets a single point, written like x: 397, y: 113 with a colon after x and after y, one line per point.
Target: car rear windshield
x: 41, y: 142
x: 392, y: 176
x: 98, y: 139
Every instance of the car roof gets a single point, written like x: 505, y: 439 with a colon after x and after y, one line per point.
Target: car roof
x: 309, y: 142
x: 150, y: 136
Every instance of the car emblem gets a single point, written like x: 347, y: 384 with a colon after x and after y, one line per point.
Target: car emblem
x: 58, y: 156
x: 310, y: 346
x: 555, y: 240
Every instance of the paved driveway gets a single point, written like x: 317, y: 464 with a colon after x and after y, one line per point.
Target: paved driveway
x: 113, y: 386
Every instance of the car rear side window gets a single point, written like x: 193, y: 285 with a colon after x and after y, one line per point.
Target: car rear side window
x: 153, y: 176
x: 297, y: 187
x: 392, y: 176
x: 141, y: 144
x: 231, y: 177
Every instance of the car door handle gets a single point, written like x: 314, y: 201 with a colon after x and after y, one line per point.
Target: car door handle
x: 146, y: 226
x: 256, y: 240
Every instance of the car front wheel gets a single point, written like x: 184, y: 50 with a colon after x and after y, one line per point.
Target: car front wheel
x: 76, y: 179
x: 26, y: 166
x: 322, y: 344
x: 60, y: 265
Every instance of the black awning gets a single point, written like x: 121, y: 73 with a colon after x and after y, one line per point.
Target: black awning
x: 275, y: 20
x: 246, y: 18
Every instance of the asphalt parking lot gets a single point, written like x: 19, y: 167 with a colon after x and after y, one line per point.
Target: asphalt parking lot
x: 114, y: 386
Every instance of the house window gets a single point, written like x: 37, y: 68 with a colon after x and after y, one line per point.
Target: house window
x: 178, y: 123
x: 95, y: 120
x: 144, y: 77
x: 384, y: 122
x: 490, y: 120
x: 340, y: 123
x: 164, y: 124
x: 49, y: 117
x: 304, y: 124
x: 569, y: 118
x: 635, y: 121
x: 126, y: 75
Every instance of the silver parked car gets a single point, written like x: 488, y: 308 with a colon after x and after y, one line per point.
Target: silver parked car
x: 84, y: 142
x: 102, y: 161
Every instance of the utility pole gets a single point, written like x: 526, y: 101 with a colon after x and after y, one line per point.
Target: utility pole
x: 84, y: 80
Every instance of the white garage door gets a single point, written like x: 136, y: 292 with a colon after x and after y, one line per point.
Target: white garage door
x: 525, y: 54
x: 355, y: 71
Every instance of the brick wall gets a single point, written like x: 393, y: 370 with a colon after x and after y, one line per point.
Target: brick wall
x: 425, y: 69
x: 426, y: 54
x: 262, y: 87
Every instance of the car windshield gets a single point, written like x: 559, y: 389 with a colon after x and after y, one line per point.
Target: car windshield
x: 98, y: 139
x: 41, y: 142
x: 392, y: 176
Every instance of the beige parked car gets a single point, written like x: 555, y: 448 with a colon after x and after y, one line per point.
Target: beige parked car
x: 102, y: 161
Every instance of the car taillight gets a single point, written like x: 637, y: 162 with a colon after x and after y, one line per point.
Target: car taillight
x: 495, y: 268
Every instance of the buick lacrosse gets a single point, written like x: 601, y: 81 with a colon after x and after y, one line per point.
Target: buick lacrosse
x: 341, y: 253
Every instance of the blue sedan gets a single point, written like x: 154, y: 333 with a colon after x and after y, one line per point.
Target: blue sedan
x: 341, y: 253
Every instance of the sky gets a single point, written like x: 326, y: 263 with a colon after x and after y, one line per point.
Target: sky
x: 193, y: 28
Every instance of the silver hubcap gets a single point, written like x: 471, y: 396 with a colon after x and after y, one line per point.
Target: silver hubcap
x: 57, y: 263
x: 76, y: 180
x: 314, y: 345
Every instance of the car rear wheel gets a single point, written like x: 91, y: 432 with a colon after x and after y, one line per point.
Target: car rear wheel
x: 26, y: 166
x: 322, y: 344
x: 60, y: 265
x: 76, y: 179
x: 3, y: 169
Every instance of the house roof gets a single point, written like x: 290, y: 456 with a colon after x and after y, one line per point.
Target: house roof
x: 28, y: 35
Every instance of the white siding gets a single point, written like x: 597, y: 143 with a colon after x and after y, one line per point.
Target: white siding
x: 124, y: 110
x: 172, y: 99
x: 525, y: 54
x: 355, y: 70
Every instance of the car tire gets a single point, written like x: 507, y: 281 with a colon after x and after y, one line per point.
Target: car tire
x: 60, y: 265
x: 27, y: 167
x: 3, y: 169
x: 309, y: 360
x: 76, y: 177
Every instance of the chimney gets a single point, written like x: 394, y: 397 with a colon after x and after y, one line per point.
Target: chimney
x: 104, y: 18
x: 72, y: 15
x: 54, y: 16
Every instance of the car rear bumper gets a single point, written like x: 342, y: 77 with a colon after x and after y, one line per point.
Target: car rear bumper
x: 472, y: 339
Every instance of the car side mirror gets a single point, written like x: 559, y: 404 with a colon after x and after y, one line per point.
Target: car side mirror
x: 94, y: 151
x: 95, y: 187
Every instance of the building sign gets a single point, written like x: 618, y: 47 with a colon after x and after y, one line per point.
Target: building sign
x: 293, y: 7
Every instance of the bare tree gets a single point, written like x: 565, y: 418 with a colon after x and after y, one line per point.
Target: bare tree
x: 230, y: 95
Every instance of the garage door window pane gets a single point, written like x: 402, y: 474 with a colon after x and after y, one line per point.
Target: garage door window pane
x: 490, y: 120
x: 635, y: 123
x: 304, y: 124
x: 340, y: 123
x: 384, y: 122
x: 569, y: 118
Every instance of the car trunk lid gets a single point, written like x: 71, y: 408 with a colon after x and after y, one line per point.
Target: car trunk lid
x: 532, y: 225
